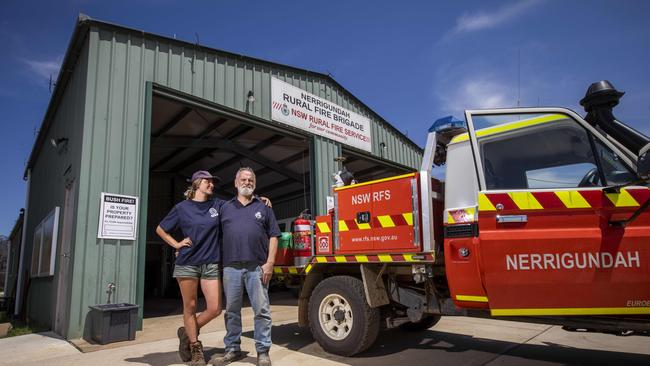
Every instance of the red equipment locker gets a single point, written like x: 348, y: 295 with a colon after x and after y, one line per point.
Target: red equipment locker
x: 380, y: 216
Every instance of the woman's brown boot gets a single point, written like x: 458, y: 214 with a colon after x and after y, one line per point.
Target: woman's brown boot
x: 196, y: 349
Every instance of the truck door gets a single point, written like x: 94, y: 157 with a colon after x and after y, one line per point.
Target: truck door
x: 546, y: 240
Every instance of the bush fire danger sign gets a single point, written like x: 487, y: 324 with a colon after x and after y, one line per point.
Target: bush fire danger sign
x: 117, y: 217
x: 308, y: 112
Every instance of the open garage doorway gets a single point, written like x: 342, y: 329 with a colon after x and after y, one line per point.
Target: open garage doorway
x: 365, y: 168
x: 190, y: 135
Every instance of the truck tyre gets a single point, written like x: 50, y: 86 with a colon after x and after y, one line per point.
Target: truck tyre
x: 422, y: 325
x: 339, y: 316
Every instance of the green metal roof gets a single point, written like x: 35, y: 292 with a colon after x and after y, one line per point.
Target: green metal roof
x: 82, y: 27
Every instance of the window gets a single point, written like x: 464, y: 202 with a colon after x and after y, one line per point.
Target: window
x: 566, y: 176
x: 613, y: 168
x: 528, y: 152
x: 44, y: 249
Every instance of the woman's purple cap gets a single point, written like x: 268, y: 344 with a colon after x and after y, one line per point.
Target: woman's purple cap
x: 204, y: 174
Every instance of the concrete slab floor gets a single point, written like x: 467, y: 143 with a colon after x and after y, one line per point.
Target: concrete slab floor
x: 453, y: 341
x: 34, y: 348
x: 155, y: 329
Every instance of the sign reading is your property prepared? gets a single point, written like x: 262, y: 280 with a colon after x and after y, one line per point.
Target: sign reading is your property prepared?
x: 118, y: 217
x: 308, y: 112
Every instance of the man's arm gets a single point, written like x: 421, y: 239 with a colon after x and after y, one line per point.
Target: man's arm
x: 267, y: 268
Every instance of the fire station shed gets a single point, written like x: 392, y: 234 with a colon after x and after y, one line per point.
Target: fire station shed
x: 132, y: 115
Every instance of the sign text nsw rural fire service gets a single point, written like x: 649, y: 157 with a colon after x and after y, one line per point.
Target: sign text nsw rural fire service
x: 308, y: 112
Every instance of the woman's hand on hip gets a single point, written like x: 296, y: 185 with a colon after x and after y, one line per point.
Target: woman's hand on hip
x: 187, y: 242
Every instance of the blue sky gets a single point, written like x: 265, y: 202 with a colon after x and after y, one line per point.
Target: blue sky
x: 410, y: 61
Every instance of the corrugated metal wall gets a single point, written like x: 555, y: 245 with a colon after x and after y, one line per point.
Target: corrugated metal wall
x: 120, y: 63
x: 324, y: 151
x: 290, y: 208
x: 54, y: 168
x: 111, y: 162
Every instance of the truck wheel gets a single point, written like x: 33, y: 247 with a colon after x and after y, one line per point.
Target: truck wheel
x: 421, y: 325
x: 339, y: 316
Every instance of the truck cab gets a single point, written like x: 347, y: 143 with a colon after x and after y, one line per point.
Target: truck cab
x: 545, y: 215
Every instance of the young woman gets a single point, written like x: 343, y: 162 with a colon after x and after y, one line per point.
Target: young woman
x: 197, y: 260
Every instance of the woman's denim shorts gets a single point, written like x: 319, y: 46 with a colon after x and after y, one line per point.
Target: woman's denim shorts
x: 210, y: 271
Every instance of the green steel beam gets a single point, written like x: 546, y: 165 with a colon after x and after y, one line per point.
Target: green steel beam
x: 144, y: 203
x: 204, y: 133
x: 256, y: 148
x: 216, y: 142
x: 173, y: 122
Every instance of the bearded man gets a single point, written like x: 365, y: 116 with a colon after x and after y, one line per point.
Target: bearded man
x: 250, y: 241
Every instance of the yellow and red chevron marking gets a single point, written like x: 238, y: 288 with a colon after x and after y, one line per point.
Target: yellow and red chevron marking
x: 323, y: 228
x: 373, y: 258
x: 286, y: 270
x: 565, y: 199
x: 378, y: 222
x: 370, y: 258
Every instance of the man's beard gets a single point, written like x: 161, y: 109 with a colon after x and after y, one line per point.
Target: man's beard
x: 245, y: 191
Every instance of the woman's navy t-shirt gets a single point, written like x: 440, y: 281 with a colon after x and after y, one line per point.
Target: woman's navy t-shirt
x: 200, y: 222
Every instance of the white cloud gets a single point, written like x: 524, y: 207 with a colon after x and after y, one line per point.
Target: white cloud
x: 474, y: 92
x: 45, y: 68
x: 470, y: 22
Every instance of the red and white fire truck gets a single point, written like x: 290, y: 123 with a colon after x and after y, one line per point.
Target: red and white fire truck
x: 542, y: 216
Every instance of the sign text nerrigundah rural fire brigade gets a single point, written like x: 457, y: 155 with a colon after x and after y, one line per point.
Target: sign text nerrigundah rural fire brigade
x: 308, y: 112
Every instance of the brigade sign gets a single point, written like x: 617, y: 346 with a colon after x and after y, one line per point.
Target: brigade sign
x: 117, y: 217
x: 310, y: 113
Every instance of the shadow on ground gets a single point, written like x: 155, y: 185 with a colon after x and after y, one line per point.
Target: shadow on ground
x: 169, y: 358
x: 166, y: 306
x: 400, y: 347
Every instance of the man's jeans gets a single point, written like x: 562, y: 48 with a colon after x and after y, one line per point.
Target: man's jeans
x: 235, y: 278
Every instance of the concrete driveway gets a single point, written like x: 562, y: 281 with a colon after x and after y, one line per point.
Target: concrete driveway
x: 453, y: 341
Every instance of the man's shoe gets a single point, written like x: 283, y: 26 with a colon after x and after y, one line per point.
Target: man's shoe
x: 228, y: 357
x: 196, y: 349
x: 183, y: 345
x: 263, y: 359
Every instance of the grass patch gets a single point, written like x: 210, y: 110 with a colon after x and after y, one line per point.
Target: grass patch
x: 22, y: 329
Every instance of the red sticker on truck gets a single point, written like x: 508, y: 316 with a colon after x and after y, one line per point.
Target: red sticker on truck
x: 323, y: 244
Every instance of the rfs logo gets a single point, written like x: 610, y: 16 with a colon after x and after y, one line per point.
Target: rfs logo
x: 323, y: 244
x: 285, y: 110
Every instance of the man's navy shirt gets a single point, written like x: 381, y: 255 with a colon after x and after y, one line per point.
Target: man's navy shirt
x: 246, y: 231
x: 200, y: 222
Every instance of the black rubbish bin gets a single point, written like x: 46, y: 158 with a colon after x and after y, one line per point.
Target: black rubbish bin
x: 113, y: 322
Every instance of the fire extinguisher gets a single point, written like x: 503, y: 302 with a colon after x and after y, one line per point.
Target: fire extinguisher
x: 302, y: 239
